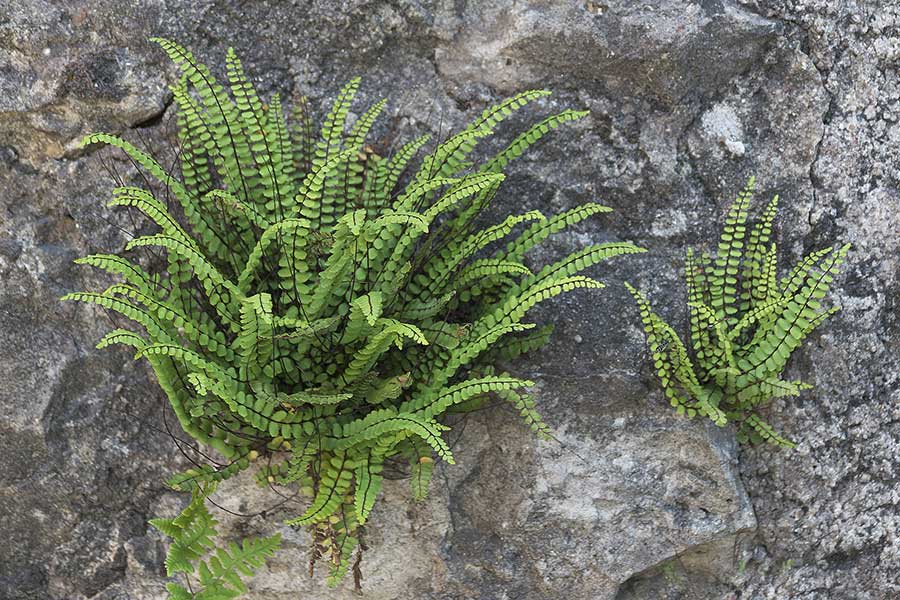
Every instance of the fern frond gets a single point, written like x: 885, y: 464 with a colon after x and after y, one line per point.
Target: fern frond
x: 132, y: 273
x: 581, y: 260
x: 764, y: 432
x: 541, y: 230
x: 754, y: 270
x: 511, y: 347
x: 223, y: 295
x: 384, y: 421
x: 525, y: 405
x: 223, y: 570
x: 122, y: 336
x: 219, y: 575
x: 724, y: 277
x: 530, y: 137
x: 421, y: 471
x: 335, y: 479
x: 124, y: 308
x: 368, y: 485
x: 431, y: 405
x: 389, y: 173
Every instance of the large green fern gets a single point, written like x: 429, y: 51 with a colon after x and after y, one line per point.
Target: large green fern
x: 317, y: 310
x: 744, y: 324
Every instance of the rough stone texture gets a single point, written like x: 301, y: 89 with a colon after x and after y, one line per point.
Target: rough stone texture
x: 687, y: 100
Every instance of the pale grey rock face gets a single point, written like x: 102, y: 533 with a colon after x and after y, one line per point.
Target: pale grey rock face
x: 687, y: 100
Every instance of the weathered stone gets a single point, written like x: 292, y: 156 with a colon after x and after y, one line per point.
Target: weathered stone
x: 687, y: 99
x: 649, y: 50
x: 52, y: 91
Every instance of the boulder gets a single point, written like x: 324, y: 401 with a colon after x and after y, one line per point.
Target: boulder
x: 687, y: 99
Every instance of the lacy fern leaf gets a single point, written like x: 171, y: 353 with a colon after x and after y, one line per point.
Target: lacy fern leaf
x: 744, y: 325
x: 318, y: 311
x: 211, y: 572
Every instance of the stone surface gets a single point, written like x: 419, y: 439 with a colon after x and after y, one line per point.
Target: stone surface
x: 687, y: 99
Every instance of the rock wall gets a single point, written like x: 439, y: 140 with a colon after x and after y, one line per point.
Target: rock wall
x: 687, y: 99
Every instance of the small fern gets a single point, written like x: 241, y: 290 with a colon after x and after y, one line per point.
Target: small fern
x: 744, y: 324
x: 209, y: 572
x: 317, y: 311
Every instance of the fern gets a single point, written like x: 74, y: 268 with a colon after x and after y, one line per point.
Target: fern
x: 744, y: 325
x: 209, y: 572
x: 316, y: 310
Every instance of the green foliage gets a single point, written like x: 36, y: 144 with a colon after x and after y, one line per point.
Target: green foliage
x: 315, y: 310
x: 744, y: 324
x: 209, y: 572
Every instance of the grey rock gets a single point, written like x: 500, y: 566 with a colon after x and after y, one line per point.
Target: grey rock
x: 62, y: 79
x: 687, y: 99
x: 626, y: 49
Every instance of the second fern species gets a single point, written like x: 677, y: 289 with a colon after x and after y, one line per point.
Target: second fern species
x: 208, y: 572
